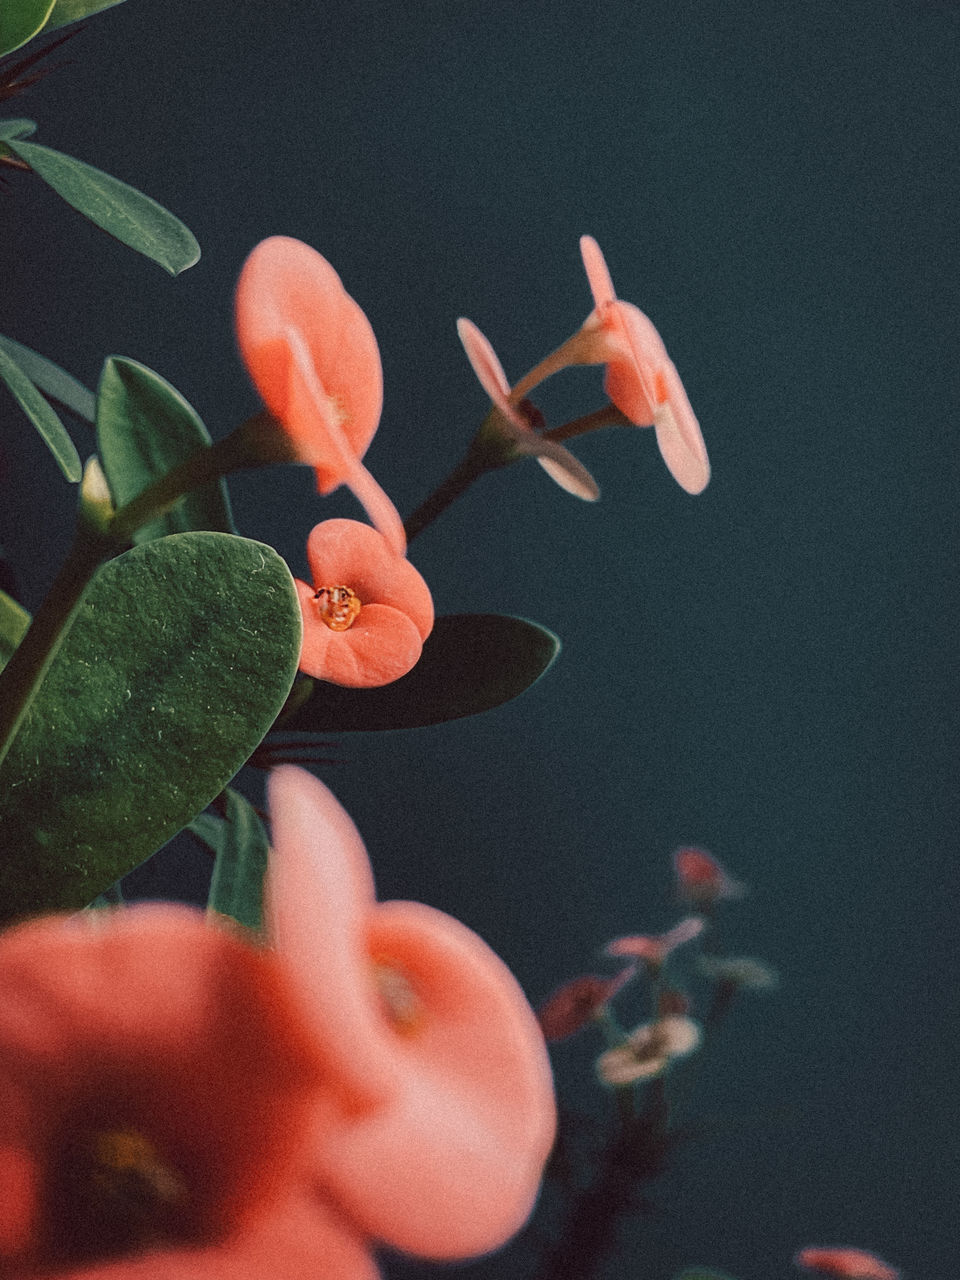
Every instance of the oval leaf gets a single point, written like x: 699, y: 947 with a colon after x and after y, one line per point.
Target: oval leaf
x: 16, y: 128
x: 179, y: 657
x: 236, y: 888
x: 42, y: 416
x: 65, y: 11
x: 14, y: 621
x: 123, y: 212
x: 51, y: 379
x: 144, y: 428
x: 20, y: 20
x: 470, y: 663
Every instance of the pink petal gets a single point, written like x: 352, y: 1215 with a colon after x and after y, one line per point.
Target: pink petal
x: 490, y: 372
x: 598, y: 276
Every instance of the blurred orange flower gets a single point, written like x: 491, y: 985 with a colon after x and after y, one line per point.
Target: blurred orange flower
x: 368, y: 612
x: 701, y: 880
x: 847, y: 1263
x: 440, y: 1110
x: 579, y: 1002
x: 156, y: 1074
x: 314, y: 359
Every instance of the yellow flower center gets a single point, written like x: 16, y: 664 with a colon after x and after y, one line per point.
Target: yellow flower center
x: 114, y: 1193
x: 338, y: 607
x: 398, y: 999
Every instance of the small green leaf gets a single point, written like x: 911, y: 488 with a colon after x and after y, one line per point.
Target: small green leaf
x: 470, y: 663
x: 65, y: 11
x: 42, y: 416
x: 180, y: 654
x: 51, y: 379
x: 236, y: 889
x: 144, y: 428
x: 122, y: 211
x: 16, y: 128
x: 14, y: 621
x: 20, y: 20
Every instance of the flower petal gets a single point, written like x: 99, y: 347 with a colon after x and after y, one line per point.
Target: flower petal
x: 382, y: 645
x: 286, y: 287
x: 490, y: 374
x: 446, y: 1159
x: 598, y: 275
x: 348, y: 552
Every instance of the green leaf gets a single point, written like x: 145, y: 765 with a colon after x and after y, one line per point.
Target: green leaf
x: 122, y: 211
x: 20, y: 20
x: 42, y: 416
x: 470, y: 663
x: 14, y: 621
x: 236, y: 889
x: 180, y: 654
x: 65, y: 11
x: 144, y: 428
x: 16, y: 128
x: 51, y: 379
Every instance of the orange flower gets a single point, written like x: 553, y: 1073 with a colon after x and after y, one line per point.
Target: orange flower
x: 701, y: 880
x: 558, y: 462
x: 849, y: 1264
x: 641, y: 379
x: 579, y: 1002
x: 655, y: 949
x: 314, y: 359
x: 440, y: 1111
x: 156, y: 1073
x: 368, y: 612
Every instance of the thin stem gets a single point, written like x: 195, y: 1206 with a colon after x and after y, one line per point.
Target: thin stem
x: 608, y: 416
x: 488, y: 450
x: 24, y: 673
x: 206, y: 465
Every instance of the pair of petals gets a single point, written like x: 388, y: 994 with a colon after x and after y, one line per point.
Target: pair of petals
x: 439, y: 1112
x: 558, y: 462
x: 313, y: 357
x: 649, y: 1049
x: 396, y: 609
x: 641, y: 379
x: 151, y: 1020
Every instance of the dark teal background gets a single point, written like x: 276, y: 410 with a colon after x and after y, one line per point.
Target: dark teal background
x: 769, y: 669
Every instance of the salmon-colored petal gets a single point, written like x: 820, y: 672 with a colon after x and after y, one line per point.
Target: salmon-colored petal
x: 489, y: 371
x: 350, y: 553
x: 575, y: 1004
x: 302, y: 1240
x: 679, y: 438
x: 598, y: 275
x: 381, y: 646
x: 292, y: 310
x: 152, y: 1025
x: 845, y: 1262
x: 448, y: 1161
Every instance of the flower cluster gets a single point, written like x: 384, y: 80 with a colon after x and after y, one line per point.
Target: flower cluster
x: 313, y: 357
x: 178, y: 1101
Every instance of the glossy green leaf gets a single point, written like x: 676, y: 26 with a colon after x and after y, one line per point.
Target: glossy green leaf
x: 470, y: 663
x: 20, y: 20
x: 122, y: 211
x: 14, y: 621
x: 42, y: 416
x: 144, y: 428
x: 65, y: 11
x: 178, y: 659
x: 16, y: 128
x: 51, y: 379
x: 236, y: 888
